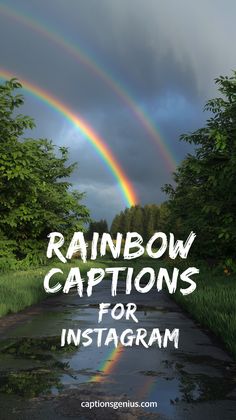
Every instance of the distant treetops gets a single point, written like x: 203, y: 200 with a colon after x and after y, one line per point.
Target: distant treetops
x: 144, y: 220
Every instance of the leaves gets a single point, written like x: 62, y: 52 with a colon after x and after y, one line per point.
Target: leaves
x: 204, y: 197
x: 35, y: 192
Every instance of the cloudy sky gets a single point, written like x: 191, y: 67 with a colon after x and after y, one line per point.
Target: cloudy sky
x: 161, y: 55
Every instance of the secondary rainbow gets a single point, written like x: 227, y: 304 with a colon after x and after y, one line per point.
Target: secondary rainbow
x: 97, y: 142
x: 107, y: 366
x: 79, y: 54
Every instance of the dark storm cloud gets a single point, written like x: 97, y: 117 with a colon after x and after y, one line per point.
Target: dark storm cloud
x: 164, y: 54
x: 126, y: 42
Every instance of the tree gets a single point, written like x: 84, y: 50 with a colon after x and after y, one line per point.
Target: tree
x: 164, y: 216
x: 151, y: 214
x: 35, y: 196
x: 204, y: 198
x: 115, y: 226
x: 101, y: 227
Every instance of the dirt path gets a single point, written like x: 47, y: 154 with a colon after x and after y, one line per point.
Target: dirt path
x: 193, y: 382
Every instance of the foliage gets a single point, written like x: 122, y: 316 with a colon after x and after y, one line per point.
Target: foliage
x: 144, y: 220
x: 7, y: 255
x: 100, y: 227
x: 204, y: 196
x: 35, y: 194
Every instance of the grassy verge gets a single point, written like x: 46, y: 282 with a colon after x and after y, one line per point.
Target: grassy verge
x: 213, y: 305
x: 19, y: 289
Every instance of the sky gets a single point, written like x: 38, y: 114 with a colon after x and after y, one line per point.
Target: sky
x: 164, y: 54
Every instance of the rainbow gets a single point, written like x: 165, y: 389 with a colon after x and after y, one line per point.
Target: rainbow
x: 107, y: 366
x: 79, y: 54
x: 97, y: 142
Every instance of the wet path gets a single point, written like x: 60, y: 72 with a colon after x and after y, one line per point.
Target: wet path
x: 41, y: 380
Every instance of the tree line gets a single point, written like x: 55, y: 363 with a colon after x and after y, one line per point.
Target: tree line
x: 142, y: 219
x: 145, y: 220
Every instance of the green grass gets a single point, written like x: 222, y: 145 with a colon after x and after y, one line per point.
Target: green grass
x: 213, y: 305
x: 19, y: 289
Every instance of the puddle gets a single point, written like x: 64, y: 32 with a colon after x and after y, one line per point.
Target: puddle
x: 32, y: 366
x: 32, y: 363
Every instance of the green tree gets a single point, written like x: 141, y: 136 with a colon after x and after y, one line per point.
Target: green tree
x: 139, y: 222
x: 151, y: 220
x: 204, y: 198
x: 35, y: 196
x: 100, y: 226
x: 126, y: 220
x: 164, y: 217
x: 115, y: 226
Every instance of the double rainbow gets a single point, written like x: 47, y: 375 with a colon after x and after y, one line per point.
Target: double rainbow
x: 103, y: 74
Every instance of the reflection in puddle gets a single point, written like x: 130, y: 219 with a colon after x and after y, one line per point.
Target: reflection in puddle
x: 45, y: 369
